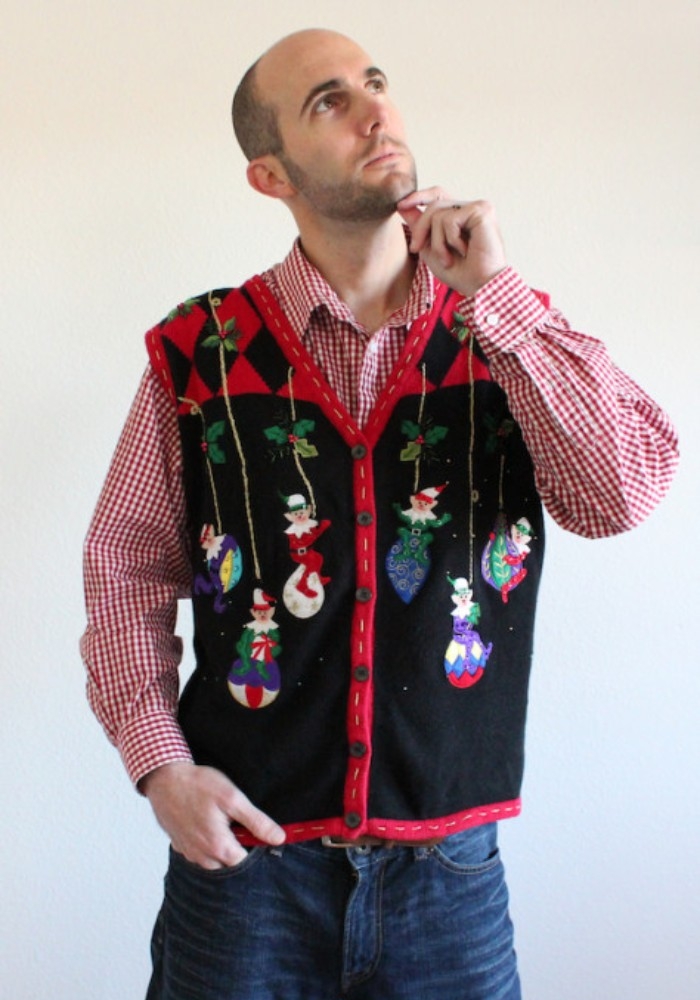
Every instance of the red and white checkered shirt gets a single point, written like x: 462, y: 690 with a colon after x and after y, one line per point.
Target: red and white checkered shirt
x: 603, y: 451
x: 356, y: 362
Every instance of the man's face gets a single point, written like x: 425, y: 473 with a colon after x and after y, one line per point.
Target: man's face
x: 344, y: 145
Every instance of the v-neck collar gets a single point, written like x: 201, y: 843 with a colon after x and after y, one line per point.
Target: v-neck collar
x: 306, y: 369
x: 301, y: 289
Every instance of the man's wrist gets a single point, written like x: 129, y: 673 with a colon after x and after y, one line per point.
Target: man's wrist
x: 503, y: 313
x: 470, y: 290
x: 162, y: 774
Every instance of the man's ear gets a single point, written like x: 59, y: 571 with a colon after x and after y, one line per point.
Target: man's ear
x: 266, y: 175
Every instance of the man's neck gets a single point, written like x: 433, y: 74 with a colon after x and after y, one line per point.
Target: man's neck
x: 368, y: 266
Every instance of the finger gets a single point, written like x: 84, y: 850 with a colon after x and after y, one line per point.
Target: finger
x: 409, y: 215
x: 423, y: 198
x: 445, y: 228
x: 415, y: 209
x: 225, y: 850
x: 426, y: 227
x: 224, y: 856
x: 262, y: 826
x: 441, y: 232
x: 456, y: 230
x: 442, y: 240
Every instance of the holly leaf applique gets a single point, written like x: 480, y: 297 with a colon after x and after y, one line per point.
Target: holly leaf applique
x: 421, y: 440
x: 183, y: 309
x: 278, y: 435
x: 291, y: 436
x: 498, y: 431
x: 460, y: 330
x: 303, y: 448
x: 226, y: 335
x: 211, y: 446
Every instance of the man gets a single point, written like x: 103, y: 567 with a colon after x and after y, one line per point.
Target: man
x: 393, y: 349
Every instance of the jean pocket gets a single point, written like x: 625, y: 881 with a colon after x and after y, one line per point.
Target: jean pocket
x: 472, y: 852
x: 228, y: 871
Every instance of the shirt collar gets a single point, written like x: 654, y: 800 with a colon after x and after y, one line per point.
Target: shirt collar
x: 301, y: 289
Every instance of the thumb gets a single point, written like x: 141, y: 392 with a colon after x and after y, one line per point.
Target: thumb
x: 240, y: 809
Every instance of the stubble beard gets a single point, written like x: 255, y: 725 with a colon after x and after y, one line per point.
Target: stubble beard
x: 352, y: 200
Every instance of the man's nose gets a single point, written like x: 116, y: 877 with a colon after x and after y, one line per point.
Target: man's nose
x: 373, y: 114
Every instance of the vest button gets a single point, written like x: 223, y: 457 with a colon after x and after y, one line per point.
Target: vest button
x: 358, y: 451
x: 364, y: 518
x: 363, y: 594
x: 358, y: 749
x: 361, y: 673
x: 353, y: 820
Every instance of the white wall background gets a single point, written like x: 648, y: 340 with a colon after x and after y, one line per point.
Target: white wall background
x: 122, y: 192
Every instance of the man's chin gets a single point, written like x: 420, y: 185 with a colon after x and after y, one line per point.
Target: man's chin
x: 403, y: 185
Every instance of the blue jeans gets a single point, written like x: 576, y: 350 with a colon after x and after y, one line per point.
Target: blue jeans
x: 309, y: 922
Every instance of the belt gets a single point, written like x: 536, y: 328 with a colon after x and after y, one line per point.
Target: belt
x: 379, y: 842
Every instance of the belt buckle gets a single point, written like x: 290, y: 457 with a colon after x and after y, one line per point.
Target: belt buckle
x: 363, y: 841
x: 329, y: 841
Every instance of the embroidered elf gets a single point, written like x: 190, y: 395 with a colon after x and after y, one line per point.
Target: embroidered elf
x: 520, y: 534
x: 504, y: 555
x: 224, y: 566
x: 254, y: 678
x: 408, y: 560
x: 466, y: 654
x: 419, y: 519
x: 302, y: 533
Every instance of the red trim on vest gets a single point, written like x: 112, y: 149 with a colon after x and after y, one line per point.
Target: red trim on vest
x: 359, y: 716
x: 394, y: 829
x: 154, y: 346
x: 310, y: 382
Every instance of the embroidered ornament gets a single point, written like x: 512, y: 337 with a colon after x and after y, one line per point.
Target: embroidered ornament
x: 254, y: 679
x: 408, y: 561
x: 504, y: 554
x: 222, y: 552
x: 304, y: 593
x: 224, y: 566
x: 466, y: 655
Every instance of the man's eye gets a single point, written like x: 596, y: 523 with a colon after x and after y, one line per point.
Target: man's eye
x: 376, y: 85
x: 325, y: 103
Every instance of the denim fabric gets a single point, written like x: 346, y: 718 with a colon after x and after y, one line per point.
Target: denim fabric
x: 308, y: 922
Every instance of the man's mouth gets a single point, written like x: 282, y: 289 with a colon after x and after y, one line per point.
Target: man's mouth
x: 384, y: 154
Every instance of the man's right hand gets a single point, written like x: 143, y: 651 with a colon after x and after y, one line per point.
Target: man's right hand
x: 196, y: 805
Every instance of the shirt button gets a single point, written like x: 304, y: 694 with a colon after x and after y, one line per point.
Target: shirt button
x: 358, y: 451
x: 353, y: 820
x: 358, y: 749
x: 363, y: 594
x: 361, y: 673
x: 364, y: 518
x: 493, y: 319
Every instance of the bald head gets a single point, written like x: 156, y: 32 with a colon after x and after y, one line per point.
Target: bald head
x: 256, y: 102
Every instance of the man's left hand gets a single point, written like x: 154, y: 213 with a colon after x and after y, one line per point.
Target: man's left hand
x: 459, y: 241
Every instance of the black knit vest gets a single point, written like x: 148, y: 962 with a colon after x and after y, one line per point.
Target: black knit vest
x: 364, y: 724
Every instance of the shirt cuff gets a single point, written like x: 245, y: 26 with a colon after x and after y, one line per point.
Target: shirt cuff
x: 151, y: 742
x: 503, y: 313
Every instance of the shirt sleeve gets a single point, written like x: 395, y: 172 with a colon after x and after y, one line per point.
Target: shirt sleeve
x: 604, y: 453
x: 136, y: 566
